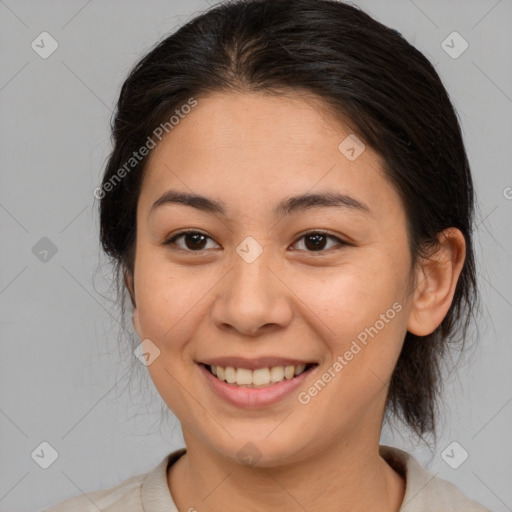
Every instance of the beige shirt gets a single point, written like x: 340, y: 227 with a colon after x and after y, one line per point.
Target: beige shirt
x: 149, y: 492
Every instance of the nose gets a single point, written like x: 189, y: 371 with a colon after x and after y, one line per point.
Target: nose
x: 252, y: 299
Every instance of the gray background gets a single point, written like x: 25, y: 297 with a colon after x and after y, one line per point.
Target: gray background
x: 63, y: 379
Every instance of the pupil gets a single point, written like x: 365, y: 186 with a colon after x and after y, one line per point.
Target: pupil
x: 317, y: 244
x: 196, y: 237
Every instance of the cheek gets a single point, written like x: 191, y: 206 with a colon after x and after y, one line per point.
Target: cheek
x: 172, y: 302
x: 353, y: 296
x: 162, y: 300
x: 365, y: 317
x: 164, y: 306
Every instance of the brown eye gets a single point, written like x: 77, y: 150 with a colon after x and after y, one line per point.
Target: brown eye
x: 193, y: 241
x: 316, y: 241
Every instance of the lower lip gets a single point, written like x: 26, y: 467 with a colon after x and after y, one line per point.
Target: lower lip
x: 250, y: 398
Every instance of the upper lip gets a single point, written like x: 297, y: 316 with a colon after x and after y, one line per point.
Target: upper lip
x: 254, y: 363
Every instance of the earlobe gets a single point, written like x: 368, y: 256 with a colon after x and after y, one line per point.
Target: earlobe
x: 435, y: 282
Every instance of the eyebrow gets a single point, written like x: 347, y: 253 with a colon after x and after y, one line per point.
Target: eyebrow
x: 288, y: 206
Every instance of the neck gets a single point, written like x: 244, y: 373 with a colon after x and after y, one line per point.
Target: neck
x: 344, y: 477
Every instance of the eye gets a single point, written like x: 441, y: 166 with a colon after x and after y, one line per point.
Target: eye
x: 316, y: 241
x: 195, y: 241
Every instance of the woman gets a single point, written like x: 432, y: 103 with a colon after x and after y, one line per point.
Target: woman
x: 289, y: 205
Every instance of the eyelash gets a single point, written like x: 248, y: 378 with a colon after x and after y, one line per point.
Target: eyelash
x: 171, y: 241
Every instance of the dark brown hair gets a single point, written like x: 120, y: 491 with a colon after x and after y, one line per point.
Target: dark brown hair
x: 365, y: 73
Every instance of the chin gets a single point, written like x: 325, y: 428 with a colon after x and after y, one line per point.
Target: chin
x: 263, y: 452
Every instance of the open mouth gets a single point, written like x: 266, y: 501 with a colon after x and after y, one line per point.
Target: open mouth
x: 260, y: 377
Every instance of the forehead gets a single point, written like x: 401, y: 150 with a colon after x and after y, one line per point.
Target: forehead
x: 257, y: 149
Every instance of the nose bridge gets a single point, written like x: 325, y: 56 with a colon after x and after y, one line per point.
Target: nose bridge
x: 251, y: 278
x: 252, y: 297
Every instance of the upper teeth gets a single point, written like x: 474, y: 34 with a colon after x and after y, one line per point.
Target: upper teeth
x: 258, y: 377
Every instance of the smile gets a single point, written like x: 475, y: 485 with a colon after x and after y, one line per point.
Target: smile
x: 260, y: 377
x: 256, y: 387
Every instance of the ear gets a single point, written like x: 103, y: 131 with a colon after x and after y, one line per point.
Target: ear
x: 129, y: 283
x: 136, y: 323
x: 435, y: 281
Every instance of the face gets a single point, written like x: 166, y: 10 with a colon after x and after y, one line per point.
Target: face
x: 252, y: 281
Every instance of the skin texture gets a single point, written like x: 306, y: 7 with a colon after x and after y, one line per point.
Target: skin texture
x: 250, y: 151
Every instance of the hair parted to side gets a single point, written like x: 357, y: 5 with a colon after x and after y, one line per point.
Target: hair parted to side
x: 371, y: 78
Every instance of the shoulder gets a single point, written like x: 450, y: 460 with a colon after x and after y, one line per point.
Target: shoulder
x: 425, y: 491
x: 133, y: 494
x: 125, y: 494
